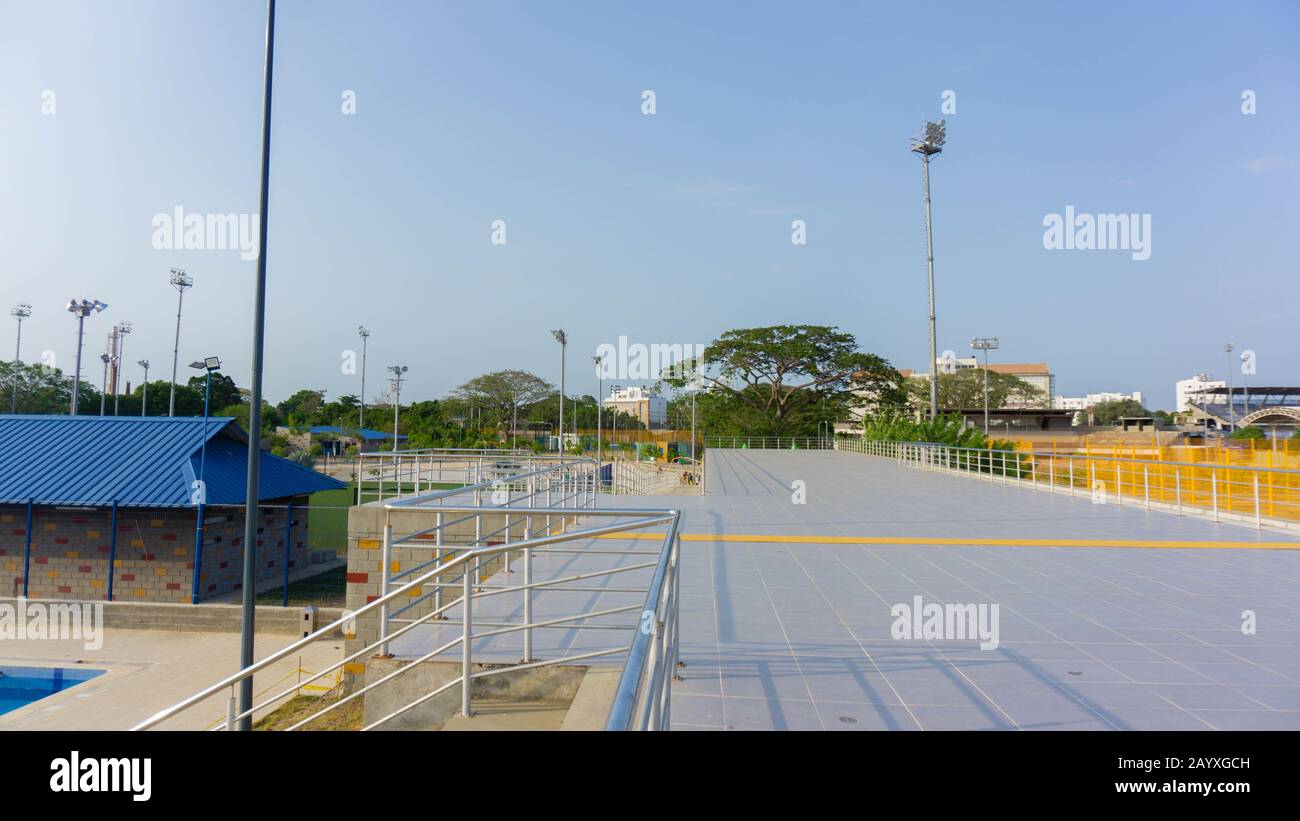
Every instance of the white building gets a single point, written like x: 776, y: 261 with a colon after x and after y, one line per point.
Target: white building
x: 1084, y: 402
x: 1184, y: 387
x: 637, y: 401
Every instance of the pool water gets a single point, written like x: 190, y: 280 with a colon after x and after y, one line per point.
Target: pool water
x: 20, y: 686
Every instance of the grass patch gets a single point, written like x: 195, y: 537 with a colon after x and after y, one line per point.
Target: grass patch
x: 347, y: 717
x: 328, y: 589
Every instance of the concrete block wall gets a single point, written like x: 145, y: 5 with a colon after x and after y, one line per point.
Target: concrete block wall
x: 154, y: 558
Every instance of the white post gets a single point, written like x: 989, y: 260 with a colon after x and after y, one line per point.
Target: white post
x: 466, y: 639
x: 385, y: 562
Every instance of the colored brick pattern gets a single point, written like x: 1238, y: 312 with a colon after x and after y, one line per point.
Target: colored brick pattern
x: 155, y: 551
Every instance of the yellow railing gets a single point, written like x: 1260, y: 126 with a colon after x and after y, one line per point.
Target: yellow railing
x: 1227, y: 482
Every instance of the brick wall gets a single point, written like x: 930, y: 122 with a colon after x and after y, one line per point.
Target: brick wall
x: 154, y: 560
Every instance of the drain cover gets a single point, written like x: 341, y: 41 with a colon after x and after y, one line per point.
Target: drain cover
x: 848, y: 720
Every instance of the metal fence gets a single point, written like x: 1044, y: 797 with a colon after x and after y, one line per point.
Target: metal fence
x: 622, y: 477
x: 544, y: 500
x: 392, y: 474
x: 769, y: 442
x: 1222, y: 492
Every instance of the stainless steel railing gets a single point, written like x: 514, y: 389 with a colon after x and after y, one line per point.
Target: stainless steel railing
x: 1256, y: 495
x: 392, y: 474
x: 557, y: 495
x: 770, y: 442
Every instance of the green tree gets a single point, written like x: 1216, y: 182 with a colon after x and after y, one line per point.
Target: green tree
x: 964, y: 389
x: 784, y: 379
x: 1109, y: 413
x: 499, y: 391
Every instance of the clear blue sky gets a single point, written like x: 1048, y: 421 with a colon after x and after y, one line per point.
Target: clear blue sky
x: 664, y: 228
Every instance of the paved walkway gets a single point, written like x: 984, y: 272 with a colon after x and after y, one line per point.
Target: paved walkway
x: 797, y: 635
x: 148, y: 670
x: 783, y: 628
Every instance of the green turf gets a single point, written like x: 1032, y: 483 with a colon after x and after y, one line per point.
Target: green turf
x: 327, y: 520
x: 326, y: 589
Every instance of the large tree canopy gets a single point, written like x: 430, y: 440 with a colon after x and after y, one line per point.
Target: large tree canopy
x: 500, y: 392
x: 784, y: 379
x: 964, y: 389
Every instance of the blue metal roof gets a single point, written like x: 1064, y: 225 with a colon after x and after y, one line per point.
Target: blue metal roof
x: 137, y: 462
x: 365, y: 433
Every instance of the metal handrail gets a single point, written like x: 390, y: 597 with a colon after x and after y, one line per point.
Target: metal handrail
x: 647, y: 678
x: 769, y: 442
x: 1240, y: 492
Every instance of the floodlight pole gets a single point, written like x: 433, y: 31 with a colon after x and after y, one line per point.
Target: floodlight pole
x: 985, y: 344
x: 81, y: 309
x: 397, y: 371
x: 929, y: 261
x: 1232, y: 414
x: 251, y: 496
x: 600, y: 386
x: 103, y: 390
x: 123, y: 329
x: 929, y: 144
x: 144, y: 391
x: 180, y: 281
x: 365, y: 337
x: 563, y: 339
x: 21, y: 312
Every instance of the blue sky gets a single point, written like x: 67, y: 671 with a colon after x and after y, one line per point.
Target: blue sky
x: 668, y: 228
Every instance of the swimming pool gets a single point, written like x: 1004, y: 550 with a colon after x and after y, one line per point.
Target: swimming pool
x: 20, y: 686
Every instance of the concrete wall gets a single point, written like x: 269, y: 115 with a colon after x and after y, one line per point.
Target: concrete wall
x: 154, y: 558
x: 202, y: 618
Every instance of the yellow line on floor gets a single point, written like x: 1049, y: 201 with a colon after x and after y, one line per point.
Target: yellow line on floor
x: 969, y: 541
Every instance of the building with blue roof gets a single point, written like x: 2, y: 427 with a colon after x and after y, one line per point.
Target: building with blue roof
x: 336, y: 440
x: 82, y: 496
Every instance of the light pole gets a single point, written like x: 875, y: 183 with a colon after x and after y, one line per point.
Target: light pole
x: 985, y: 344
x: 1232, y: 413
x: 208, y: 364
x: 600, y: 386
x: 695, y: 387
x: 251, y: 487
x: 365, y: 337
x: 81, y: 308
x: 1245, y: 384
x: 397, y: 371
x: 123, y: 328
x: 144, y: 390
x: 21, y: 312
x: 927, y: 145
x: 562, y: 338
x: 103, y: 390
x: 180, y: 281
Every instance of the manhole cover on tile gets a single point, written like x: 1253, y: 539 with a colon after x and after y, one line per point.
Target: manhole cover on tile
x: 848, y: 720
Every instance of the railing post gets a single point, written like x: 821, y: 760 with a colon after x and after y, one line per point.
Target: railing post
x: 478, y: 536
x: 466, y: 639
x: 1178, y: 488
x: 437, y: 554
x: 231, y: 711
x: 1258, y: 523
x: 528, y: 592
x: 1214, y: 492
x: 1146, y: 487
x: 385, y: 566
x: 1051, y: 472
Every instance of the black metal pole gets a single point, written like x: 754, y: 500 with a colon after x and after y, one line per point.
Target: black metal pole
x: 251, y: 497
